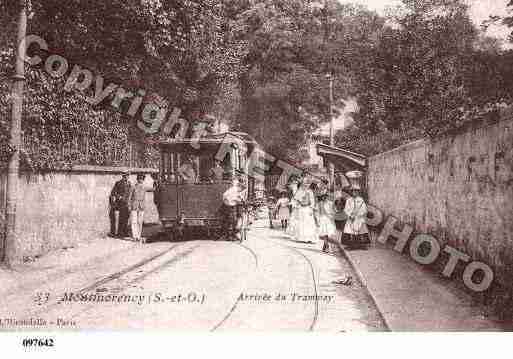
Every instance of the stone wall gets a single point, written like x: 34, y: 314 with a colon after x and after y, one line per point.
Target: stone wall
x: 458, y: 188
x: 60, y: 208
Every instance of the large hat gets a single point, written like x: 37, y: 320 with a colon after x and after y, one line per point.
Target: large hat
x: 294, y: 179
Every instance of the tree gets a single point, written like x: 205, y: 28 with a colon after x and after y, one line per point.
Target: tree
x: 15, y: 138
x: 177, y: 49
x: 291, y: 46
x: 504, y: 20
x: 415, y: 75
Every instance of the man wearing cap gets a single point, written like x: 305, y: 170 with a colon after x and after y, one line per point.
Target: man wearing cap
x: 118, y: 202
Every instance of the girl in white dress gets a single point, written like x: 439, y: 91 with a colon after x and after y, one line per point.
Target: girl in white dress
x: 283, y: 208
x: 356, y: 233
x: 326, y: 216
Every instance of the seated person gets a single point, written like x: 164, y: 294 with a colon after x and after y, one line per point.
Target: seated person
x: 187, y: 171
x: 216, y: 172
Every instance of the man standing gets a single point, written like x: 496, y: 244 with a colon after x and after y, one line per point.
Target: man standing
x: 136, y: 202
x: 232, y: 199
x: 118, y: 202
x: 216, y: 173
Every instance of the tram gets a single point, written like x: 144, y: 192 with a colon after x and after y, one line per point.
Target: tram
x: 194, y: 174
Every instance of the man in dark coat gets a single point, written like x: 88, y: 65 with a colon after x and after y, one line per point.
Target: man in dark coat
x: 118, y: 201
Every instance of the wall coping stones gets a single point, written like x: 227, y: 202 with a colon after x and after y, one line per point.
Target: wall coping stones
x: 403, y: 148
x: 111, y: 169
x: 505, y: 116
x: 91, y: 169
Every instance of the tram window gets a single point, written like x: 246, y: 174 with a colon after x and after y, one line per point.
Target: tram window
x: 206, y: 164
x: 242, y: 161
x: 227, y: 167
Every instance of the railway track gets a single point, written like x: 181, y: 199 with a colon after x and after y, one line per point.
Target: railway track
x: 310, y: 265
x: 157, y: 262
x: 116, y: 276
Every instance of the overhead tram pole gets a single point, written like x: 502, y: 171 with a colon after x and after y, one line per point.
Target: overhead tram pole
x: 329, y: 75
x: 15, y: 139
x: 332, y: 132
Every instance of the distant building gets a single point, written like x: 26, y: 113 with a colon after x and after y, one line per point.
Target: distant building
x: 314, y: 160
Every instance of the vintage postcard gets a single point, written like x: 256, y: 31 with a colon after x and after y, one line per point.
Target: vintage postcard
x: 242, y: 166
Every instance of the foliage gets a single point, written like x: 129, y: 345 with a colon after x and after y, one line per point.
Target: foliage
x: 506, y: 20
x: 178, y: 49
x: 291, y: 47
x: 428, y: 75
x: 352, y: 139
x: 259, y: 64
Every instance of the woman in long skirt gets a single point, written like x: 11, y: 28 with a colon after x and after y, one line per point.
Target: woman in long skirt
x: 283, y: 208
x: 306, y: 227
x: 294, y: 206
x: 326, y: 217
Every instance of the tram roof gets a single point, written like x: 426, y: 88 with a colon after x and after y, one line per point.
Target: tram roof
x: 208, y: 142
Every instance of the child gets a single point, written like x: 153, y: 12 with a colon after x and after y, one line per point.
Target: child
x: 326, y: 217
x: 282, y: 206
x: 356, y: 233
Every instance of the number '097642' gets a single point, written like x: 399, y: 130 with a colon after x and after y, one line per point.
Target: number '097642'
x: 37, y: 342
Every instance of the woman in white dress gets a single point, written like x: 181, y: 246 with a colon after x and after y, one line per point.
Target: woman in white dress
x: 326, y: 216
x: 283, y: 208
x: 306, y: 228
x: 294, y: 205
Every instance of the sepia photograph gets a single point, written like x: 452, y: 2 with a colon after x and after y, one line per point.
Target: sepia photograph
x: 255, y: 166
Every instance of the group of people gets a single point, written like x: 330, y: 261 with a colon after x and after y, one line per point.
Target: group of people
x: 188, y: 172
x: 308, y: 214
x: 127, y: 202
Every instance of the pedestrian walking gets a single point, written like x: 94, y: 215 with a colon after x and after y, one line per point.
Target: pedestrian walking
x: 356, y: 233
x: 271, y: 211
x: 326, y: 215
x: 137, y: 205
x: 118, y: 207
x: 283, y: 208
x: 306, y: 228
x: 294, y: 205
x: 314, y: 188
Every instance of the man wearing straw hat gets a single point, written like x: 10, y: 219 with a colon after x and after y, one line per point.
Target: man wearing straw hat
x: 356, y: 233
